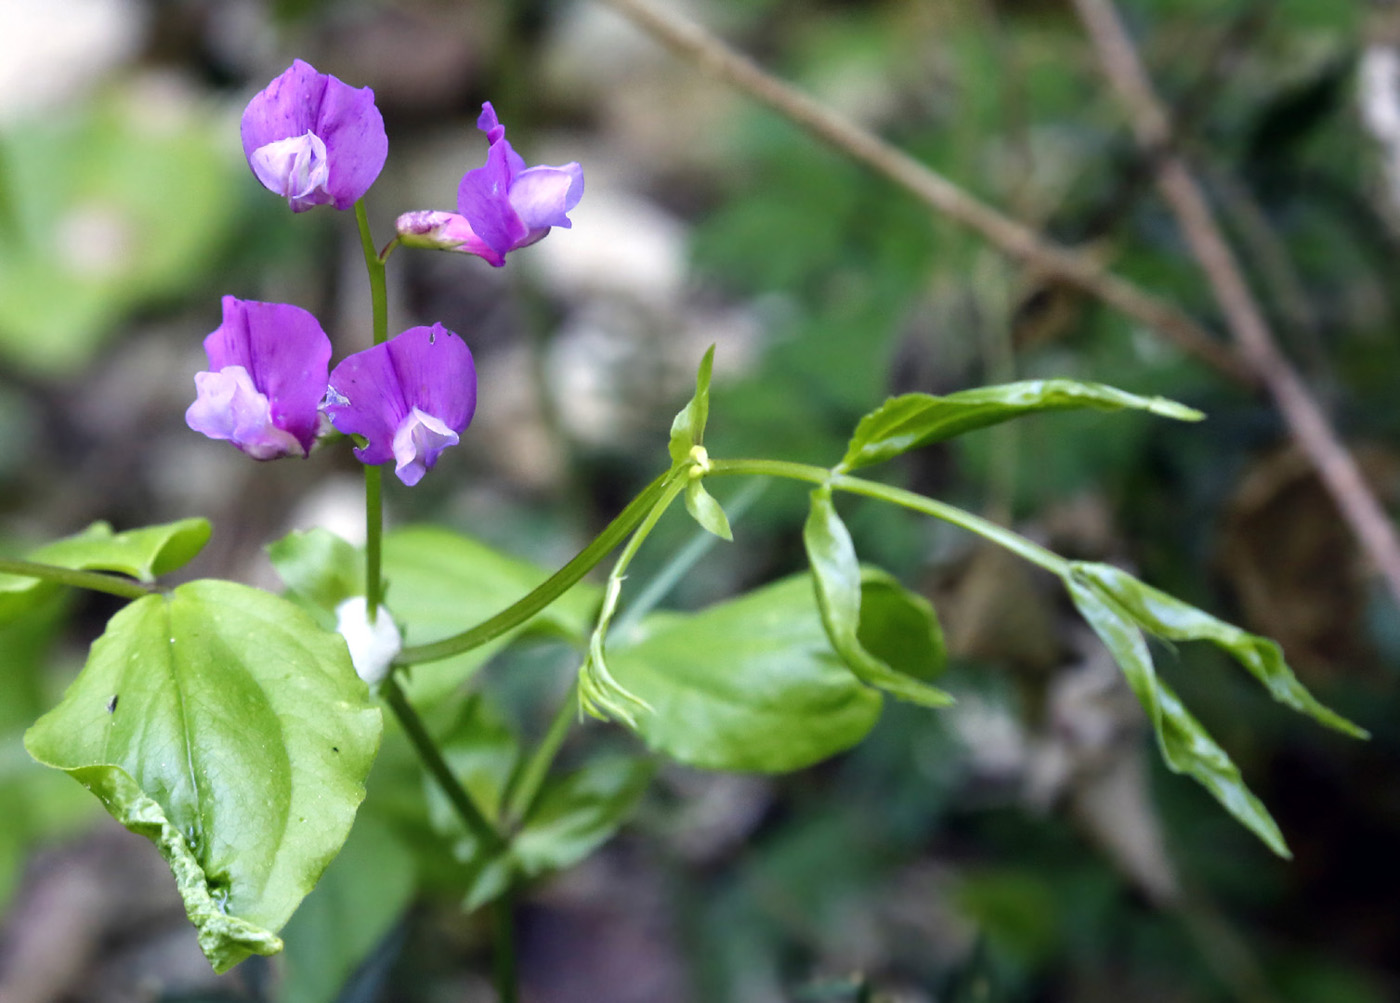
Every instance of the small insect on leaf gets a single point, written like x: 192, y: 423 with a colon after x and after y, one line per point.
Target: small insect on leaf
x: 112, y: 703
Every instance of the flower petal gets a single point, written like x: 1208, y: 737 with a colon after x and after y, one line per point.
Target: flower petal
x: 542, y: 196
x: 227, y: 406
x: 372, y: 392
x: 285, y: 354
x: 295, y: 168
x: 483, y: 198
x: 417, y: 443
x: 356, y: 144
x: 284, y: 108
x: 442, y: 231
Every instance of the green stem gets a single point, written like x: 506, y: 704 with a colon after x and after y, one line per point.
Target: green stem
x: 503, y: 920
x: 427, y: 749
x: 94, y: 580
x: 1013, y: 542
x: 374, y: 264
x: 520, y: 799
x: 374, y: 506
x: 556, y: 585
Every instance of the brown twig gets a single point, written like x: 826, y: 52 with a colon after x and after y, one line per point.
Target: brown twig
x: 1013, y: 238
x: 1307, y: 423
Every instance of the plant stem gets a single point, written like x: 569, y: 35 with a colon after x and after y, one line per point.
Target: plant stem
x: 374, y: 505
x: 97, y: 581
x: 503, y: 919
x: 431, y: 755
x: 551, y: 589
x: 1013, y: 542
x: 520, y: 799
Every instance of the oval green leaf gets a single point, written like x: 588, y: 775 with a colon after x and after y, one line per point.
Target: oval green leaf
x: 141, y: 553
x: 913, y: 420
x: 224, y: 725
x: 747, y: 685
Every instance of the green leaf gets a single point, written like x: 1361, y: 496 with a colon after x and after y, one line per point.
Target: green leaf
x: 320, y: 569
x: 836, y: 576
x: 914, y: 420
x: 354, y: 906
x: 706, y: 511
x: 747, y: 685
x: 1169, y: 618
x: 1185, y: 745
x: 141, y: 553
x: 900, y: 627
x: 688, y: 428
x: 573, y: 814
x: 224, y: 725
x: 440, y: 583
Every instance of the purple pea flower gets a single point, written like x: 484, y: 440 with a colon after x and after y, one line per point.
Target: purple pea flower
x: 501, y: 206
x: 410, y: 398
x: 313, y: 139
x: 266, y: 377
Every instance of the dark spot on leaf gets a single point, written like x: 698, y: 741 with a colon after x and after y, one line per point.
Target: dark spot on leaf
x: 112, y: 703
x: 335, y: 748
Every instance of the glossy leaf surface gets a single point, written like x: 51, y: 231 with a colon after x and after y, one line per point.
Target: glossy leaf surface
x: 142, y: 553
x: 836, y: 574
x: 1185, y: 745
x: 224, y: 725
x: 913, y: 420
x: 750, y: 684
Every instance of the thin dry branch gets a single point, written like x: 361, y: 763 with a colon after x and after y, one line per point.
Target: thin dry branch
x: 1015, y: 239
x: 1306, y: 421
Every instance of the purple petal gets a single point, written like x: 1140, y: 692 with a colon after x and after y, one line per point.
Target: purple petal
x: 343, y: 117
x: 285, y: 354
x: 284, y: 108
x: 484, y: 199
x: 417, y: 442
x: 356, y: 145
x: 373, y: 392
x: 228, y: 407
x: 443, y: 231
x: 542, y: 196
x: 488, y: 123
x: 295, y: 168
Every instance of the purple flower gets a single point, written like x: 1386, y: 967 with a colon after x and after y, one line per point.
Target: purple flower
x: 507, y: 205
x: 410, y: 398
x: 267, y: 374
x: 313, y: 139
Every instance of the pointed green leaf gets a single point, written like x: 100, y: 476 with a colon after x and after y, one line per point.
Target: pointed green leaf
x: 1168, y: 617
x: 141, y: 553
x: 223, y: 724
x: 321, y: 570
x: 440, y: 583
x: 750, y: 684
x: 573, y: 815
x: 706, y: 511
x: 688, y: 428
x: 1186, y: 747
x: 836, y: 576
x: 913, y: 420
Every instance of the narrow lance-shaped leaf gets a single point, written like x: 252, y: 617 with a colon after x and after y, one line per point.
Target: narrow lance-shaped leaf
x: 141, y: 553
x: 1169, y: 618
x: 706, y: 511
x: 913, y: 420
x: 688, y: 428
x: 1185, y: 745
x: 223, y: 724
x: 837, y: 578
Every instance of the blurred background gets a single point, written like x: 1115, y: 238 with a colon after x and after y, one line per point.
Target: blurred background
x: 1026, y: 845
